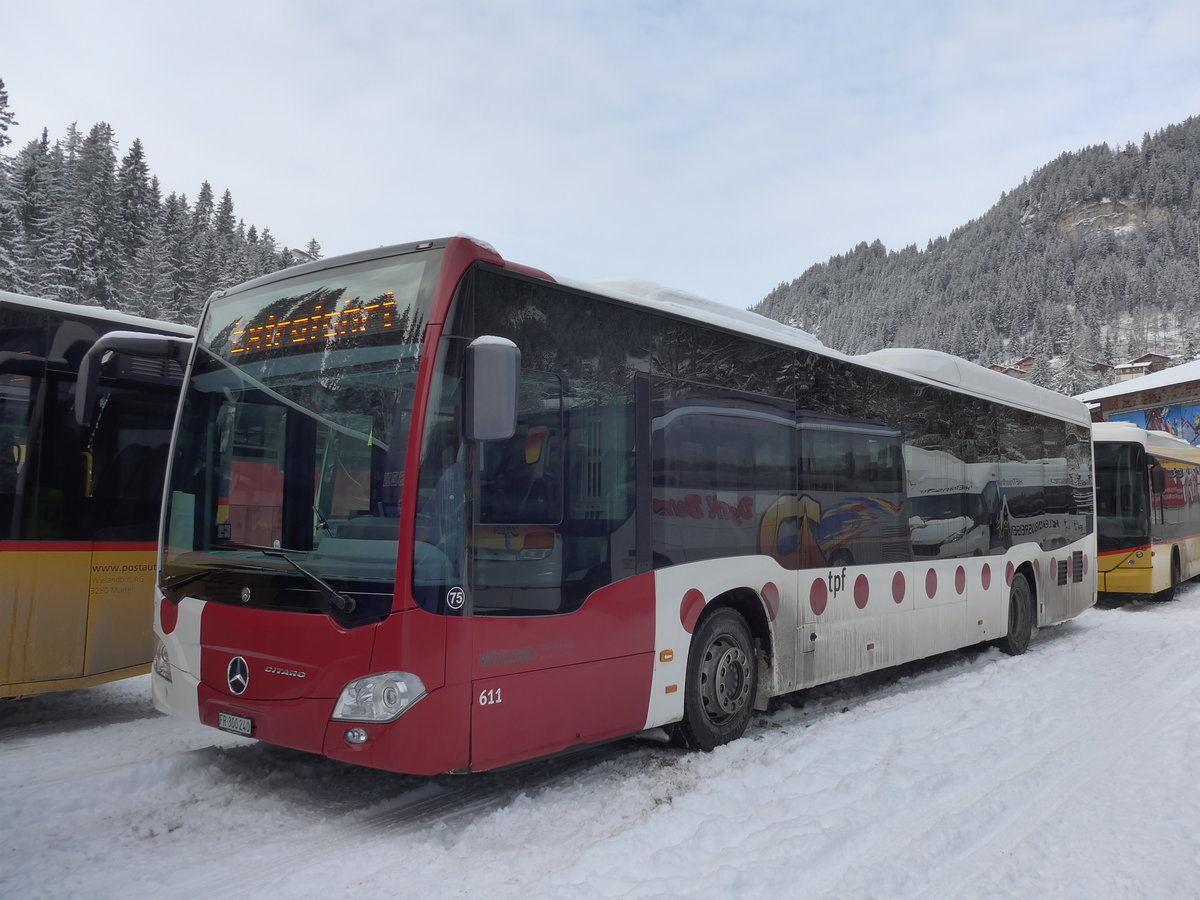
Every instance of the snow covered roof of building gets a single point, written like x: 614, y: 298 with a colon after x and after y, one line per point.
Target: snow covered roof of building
x: 1162, y: 378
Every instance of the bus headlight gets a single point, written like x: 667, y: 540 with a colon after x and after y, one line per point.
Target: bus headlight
x: 162, y: 662
x: 378, y: 698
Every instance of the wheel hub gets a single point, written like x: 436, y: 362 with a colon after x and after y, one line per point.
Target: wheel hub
x: 731, y: 683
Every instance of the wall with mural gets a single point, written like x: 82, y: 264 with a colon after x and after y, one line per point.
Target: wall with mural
x: 1181, y: 421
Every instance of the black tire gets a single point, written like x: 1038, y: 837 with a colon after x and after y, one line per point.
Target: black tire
x: 1020, y: 617
x: 1176, y: 579
x: 722, y: 676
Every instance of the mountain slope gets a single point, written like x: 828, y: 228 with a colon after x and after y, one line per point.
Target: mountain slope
x: 1095, y: 257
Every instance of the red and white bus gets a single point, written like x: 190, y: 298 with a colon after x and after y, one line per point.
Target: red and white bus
x: 1147, y: 510
x: 80, y: 493
x: 430, y: 510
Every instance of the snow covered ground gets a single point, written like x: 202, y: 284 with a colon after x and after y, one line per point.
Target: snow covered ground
x: 1073, y: 771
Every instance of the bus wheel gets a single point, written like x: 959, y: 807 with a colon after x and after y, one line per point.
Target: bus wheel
x: 722, y: 675
x: 1020, y: 618
x: 1169, y: 593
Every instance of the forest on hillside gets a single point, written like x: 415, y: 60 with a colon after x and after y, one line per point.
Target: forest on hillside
x: 80, y: 226
x: 1094, y: 258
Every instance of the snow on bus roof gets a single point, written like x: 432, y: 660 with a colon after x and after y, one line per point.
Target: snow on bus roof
x: 955, y: 372
x: 1161, y: 443
x: 93, y: 312
x: 932, y: 365
x: 697, y: 308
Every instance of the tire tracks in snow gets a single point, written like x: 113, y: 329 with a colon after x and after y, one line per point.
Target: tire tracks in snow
x: 1149, y: 698
x: 445, y: 801
x: 1074, y: 751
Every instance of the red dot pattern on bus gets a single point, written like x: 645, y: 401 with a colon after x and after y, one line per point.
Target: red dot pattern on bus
x: 770, y: 595
x: 862, y: 591
x: 168, y: 615
x: 818, y: 591
x: 818, y: 596
x: 690, y: 608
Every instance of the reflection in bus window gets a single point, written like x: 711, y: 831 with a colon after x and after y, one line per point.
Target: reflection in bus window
x: 719, y: 460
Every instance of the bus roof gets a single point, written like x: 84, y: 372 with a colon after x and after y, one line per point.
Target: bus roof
x: 923, y: 365
x: 932, y: 365
x: 970, y: 378
x: 1159, y: 443
x: 97, y: 313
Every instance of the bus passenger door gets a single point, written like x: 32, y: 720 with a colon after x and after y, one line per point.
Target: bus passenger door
x: 562, y: 635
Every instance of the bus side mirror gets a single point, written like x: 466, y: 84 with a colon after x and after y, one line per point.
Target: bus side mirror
x: 493, y: 373
x: 1158, y: 478
x: 133, y: 343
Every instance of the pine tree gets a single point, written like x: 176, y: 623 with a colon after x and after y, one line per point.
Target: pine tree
x: 93, y: 254
x: 7, y: 117
x: 137, y: 210
x: 14, y: 271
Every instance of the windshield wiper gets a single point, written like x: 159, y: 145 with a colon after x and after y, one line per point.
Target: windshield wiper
x: 334, y: 599
x: 168, y: 584
x: 177, y: 581
x: 332, y: 596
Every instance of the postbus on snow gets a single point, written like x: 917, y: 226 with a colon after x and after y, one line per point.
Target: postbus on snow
x: 80, y: 494
x: 1147, y: 510
x: 430, y: 510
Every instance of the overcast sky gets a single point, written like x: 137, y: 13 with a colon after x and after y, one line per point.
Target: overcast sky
x: 716, y: 147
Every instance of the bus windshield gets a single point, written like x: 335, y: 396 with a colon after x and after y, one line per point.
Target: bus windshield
x: 290, y: 450
x: 1122, y: 509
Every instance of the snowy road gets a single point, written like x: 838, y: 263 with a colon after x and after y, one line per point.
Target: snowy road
x: 1073, y: 771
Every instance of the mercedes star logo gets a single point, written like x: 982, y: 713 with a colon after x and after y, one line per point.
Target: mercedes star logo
x: 245, y: 595
x: 238, y: 675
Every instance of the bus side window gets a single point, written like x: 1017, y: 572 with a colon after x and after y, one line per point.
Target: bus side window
x: 14, y: 413
x: 521, y: 479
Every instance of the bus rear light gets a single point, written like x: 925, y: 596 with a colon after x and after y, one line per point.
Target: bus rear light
x: 378, y: 698
x: 537, y: 545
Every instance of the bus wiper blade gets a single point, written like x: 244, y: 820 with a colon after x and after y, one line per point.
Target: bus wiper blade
x: 332, y: 596
x: 169, y: 584
x: 177, y: 581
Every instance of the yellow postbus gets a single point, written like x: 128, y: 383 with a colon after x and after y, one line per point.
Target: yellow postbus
x: 1147, y: 510
x: 80, y: 495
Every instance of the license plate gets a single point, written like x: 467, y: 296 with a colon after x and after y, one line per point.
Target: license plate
x: 236, y: 724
